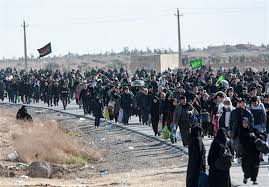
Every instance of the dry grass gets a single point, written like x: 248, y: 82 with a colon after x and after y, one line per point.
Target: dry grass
x: 42, y: 141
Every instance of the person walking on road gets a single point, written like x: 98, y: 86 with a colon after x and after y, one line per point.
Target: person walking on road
x: 225, y: 114
x: 251, y: 156
x: 155, y: 112
x: 258, y: 111
x: 219, y: 160
x: 181, y: 118
x: 235, y: 123
x: 144, y: 105
x: 85, y: 98
x: 97, y: 112
x: 55, y: 93
x: 266, y: 106
x: 126, y: 103
x: 64, y: 94
x: 196, y: 163
x: 116, y: 99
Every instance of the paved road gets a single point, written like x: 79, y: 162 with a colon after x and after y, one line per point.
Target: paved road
x: 236, y: 171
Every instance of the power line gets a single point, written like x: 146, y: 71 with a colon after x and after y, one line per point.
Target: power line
x: 122, y: 19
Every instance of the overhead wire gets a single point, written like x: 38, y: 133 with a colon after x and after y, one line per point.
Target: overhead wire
x: 123, y: 19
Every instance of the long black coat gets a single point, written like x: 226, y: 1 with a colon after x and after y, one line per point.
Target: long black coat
x: 144, y: 103
x: 86, y: 97
x: 98, y: 108
x: 55, y: 91
x: 196, y: 158
x: 250, y: 156
x: 217, y: 178
x: 155, y: 107
x: 126, y: 101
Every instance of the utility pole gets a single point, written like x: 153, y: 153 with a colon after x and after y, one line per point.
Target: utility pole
x: 25, y: 47
x: 179, y: 38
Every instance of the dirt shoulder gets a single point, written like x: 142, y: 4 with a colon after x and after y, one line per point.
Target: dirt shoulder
x: 151, y: 177
x: 128, y: 158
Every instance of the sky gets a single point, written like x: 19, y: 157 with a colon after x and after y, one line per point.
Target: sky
x: 93, y: 26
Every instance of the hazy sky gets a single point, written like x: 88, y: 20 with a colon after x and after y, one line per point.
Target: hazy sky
x: 88, y: 26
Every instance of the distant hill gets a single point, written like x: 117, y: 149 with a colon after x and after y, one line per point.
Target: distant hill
x: 225, y: 55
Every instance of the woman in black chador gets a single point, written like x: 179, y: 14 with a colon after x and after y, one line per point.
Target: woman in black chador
x: 196, y: 157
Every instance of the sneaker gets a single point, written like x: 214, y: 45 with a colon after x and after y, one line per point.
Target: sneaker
x: 245, y: 181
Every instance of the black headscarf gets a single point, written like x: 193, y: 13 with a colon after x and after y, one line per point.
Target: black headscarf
x: 221, y: 136
x: 24, y: 109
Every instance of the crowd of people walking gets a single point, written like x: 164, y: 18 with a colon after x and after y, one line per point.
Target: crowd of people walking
x: 230, y: 106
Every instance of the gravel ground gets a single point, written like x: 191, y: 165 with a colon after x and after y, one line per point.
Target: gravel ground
x: 124, y: 151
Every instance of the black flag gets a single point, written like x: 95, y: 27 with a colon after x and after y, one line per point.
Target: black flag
x: 44, y: 50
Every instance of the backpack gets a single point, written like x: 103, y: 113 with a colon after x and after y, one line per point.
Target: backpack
x: 261, y: 146
x: 224, y: 160
x: 261, y: 143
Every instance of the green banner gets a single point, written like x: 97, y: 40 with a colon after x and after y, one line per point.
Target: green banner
x: 197, y: 63
x: 221, y: 78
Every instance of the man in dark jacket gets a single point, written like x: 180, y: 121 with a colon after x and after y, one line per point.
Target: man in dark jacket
x: 50, y: 94
x: 22, y: 90
x: 55, y: 93
x: 144, y: 104
x: 64, y: 94
x: 236, y: 122
x: 126, y: 103
x: 85, y: 99
x: 245, y: 95
x: 28, y: 92
x: 155, y: 112
x: 45, y: 92
x: 210, y: 87
x: 154, y: 83
x: 234, y: 128
x: 139, y: 103
x: 181, y: 119
x: 97, y: 111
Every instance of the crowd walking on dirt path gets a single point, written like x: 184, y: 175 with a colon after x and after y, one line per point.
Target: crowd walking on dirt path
x: 227, y: 105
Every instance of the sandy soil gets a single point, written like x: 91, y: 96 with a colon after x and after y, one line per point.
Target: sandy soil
x: 152, y: 177
x: 148, y: 163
